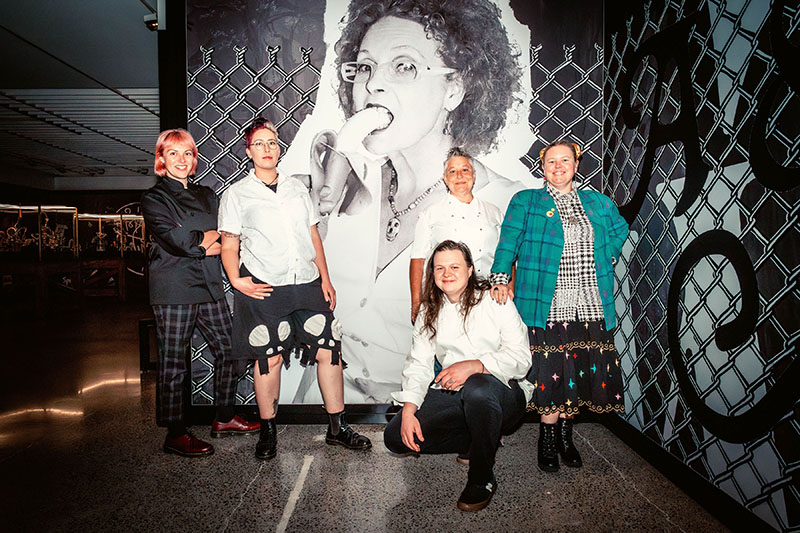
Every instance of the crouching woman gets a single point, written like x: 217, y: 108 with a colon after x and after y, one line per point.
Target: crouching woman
x: 479, y: 395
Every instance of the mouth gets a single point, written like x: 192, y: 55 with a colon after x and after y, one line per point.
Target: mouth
x: 383, y: 109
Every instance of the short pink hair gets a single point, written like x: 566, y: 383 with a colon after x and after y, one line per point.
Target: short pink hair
x: 166, y: 140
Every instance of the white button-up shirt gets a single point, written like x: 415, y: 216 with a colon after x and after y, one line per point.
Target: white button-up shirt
x: 476, y: 224
x: 273, y: 228
x: 494, y: 334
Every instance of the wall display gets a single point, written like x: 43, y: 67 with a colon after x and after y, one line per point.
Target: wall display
x: 701, y: 153
x: 34, y: 232
x: 387, y: 134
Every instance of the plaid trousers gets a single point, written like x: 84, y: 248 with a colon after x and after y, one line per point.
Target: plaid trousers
x: 174, y: 326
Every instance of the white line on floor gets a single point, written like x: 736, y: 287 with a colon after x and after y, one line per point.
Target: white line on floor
x: 295, y: 495
x: 629, y: 481
x: 241, y: 498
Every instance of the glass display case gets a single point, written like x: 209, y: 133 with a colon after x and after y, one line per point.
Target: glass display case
x: 38, y: 232
x: 47, y: 247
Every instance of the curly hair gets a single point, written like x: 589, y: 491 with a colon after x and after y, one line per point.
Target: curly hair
x: 471, y: 40
x: 433, y: 297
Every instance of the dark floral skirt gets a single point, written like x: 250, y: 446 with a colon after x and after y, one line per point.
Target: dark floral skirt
x: 575, y: 364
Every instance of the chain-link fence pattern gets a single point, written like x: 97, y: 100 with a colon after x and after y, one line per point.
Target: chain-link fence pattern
x: 731, y: 64
x: 566, y: 103
x: 223, y: 98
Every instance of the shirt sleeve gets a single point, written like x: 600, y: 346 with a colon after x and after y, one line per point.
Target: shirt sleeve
x: 618, y: 230
x: 229, y: 218
x: 510, y: 234
x: 512, y: 360
x: 313, y: 213
x: 171, y: 236
x: 213, y: 201
x: 418, y: 368
x: 422, y: 236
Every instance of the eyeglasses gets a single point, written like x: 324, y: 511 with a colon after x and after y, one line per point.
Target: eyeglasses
x: 401, y: 70
x: 261, y: 145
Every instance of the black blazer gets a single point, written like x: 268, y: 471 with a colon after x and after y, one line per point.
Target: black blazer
x: 180, y: 272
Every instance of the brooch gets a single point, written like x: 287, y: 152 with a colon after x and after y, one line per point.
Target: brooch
x: 550, y: 213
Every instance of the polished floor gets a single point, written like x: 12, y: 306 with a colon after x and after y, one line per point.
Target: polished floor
x: 79, y: 451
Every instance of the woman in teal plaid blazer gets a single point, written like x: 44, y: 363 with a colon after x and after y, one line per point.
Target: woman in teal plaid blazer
x: 564, y: 242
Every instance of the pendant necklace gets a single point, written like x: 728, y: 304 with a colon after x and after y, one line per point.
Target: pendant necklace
x: 393, y: 226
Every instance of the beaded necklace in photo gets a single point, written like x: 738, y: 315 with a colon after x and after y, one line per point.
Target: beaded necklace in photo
x: 393, y: 226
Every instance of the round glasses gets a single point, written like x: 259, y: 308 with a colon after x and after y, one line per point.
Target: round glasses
x: 260, y: 146
x: 401, y: 70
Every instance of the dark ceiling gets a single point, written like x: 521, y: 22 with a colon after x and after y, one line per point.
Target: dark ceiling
x: 79, y: 103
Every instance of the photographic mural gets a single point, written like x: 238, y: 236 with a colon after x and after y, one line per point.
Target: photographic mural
x: 359, y: 144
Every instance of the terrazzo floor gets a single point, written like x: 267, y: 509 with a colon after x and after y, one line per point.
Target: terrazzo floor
x: 79, y: 451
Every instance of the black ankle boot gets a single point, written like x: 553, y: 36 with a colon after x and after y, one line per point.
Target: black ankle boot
x: 566, y: 449
x: 548, y: 454
x: 340, y: 432
x: 267, y: 446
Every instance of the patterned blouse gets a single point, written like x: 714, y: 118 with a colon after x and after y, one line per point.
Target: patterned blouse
x: 576, y: 294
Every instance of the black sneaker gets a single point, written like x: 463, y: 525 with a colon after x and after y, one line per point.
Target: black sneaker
x: 477, y: 496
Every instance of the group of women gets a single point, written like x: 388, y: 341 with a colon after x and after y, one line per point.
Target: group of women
x: 264, y: 229
x: 537, y: 332
x: 507, y: 312
x: 477, y: 358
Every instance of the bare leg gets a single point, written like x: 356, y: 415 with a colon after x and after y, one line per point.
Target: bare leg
x: 268, y: 387
x: 331, y: 382
x: 552, y: 418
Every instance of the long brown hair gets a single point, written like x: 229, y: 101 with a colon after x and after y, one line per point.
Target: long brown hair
x: 433, y: 297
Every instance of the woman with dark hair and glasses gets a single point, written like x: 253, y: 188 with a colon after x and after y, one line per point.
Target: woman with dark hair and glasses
x: 480, y: 394
x: 186, y: 292
x: 415, y: 78
x: 283, y: 297
x: 564, y: 241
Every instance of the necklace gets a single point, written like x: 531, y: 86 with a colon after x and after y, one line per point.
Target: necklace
x: 393, y: 226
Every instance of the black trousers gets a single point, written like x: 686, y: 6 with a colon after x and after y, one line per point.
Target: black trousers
x: 467, y: 421
x: 174, y: 326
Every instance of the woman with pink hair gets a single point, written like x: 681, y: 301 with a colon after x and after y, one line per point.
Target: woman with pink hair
x: 186, y: 292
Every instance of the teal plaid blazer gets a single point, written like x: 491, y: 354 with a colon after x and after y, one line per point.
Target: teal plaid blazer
x: 533, y: 237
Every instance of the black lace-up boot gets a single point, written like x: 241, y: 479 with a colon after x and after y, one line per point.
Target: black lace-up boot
x: 548, y: 453
x: 566, y: 449
x: 340, y: 432
x: 267, y: 446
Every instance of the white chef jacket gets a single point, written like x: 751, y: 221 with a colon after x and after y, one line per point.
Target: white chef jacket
x: 273, y: 228
x: 494, y: 334
x: 476, y: 224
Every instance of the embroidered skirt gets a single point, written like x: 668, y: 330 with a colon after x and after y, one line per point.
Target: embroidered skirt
x: 575, y: 364
x: 293, y: 319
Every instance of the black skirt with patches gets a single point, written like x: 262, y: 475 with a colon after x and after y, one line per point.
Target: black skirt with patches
x: 294, y: 319
x: 575, y: 364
